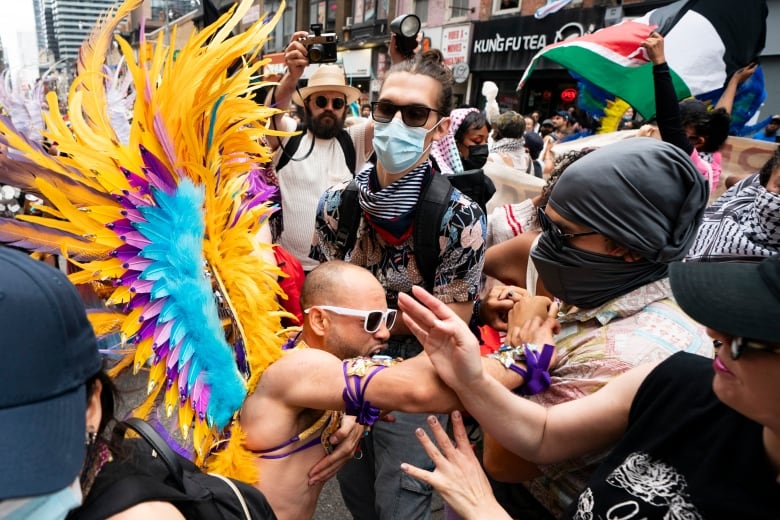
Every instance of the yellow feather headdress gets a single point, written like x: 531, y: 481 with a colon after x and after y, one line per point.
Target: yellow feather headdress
x: 167, y: 222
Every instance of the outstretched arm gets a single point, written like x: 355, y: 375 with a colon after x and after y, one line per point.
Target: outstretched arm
x: 666, y: 106
x: 726, y: 100
x: 533, y: 432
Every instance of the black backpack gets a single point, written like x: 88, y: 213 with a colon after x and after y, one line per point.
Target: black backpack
x: 433, y: 203
x: 152, y: 471
x: 289, y: 149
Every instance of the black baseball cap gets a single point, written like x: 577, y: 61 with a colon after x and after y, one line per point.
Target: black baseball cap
x: 49, y: 353
x: 741, y: 299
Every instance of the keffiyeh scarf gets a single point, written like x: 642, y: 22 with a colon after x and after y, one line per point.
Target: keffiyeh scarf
x: 743, y: 223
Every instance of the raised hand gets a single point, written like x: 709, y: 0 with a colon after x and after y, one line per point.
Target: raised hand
x: 458, y: 476
x: 452, y: 348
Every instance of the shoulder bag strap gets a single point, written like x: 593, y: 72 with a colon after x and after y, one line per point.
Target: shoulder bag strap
x: 427, y: 224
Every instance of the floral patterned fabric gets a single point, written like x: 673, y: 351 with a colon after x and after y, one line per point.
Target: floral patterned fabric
x: 595, y: 345
x: 461, y: 243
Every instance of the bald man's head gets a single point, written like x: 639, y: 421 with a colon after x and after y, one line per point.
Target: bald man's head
x: 336, y: 283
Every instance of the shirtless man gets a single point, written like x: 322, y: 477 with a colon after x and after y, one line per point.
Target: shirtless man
x: 281, y: 419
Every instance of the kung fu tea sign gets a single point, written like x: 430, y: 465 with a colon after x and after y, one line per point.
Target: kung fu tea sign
x: 510, y: 43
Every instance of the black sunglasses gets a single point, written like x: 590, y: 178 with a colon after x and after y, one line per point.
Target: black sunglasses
x: 412, y: 115
x: 738, y: 345
x: 336, y: 103
x: 548, y: 226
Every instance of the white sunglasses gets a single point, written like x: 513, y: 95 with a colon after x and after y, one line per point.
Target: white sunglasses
x: 372, y: 320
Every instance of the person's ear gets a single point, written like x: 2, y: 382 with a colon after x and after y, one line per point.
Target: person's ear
x: 441, y: 130
x: 698, y: 142
x: 94, y: 409
x: 319, y: 321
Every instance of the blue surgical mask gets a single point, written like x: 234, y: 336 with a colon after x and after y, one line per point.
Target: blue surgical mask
x: 54, y: 506
x: 398, y: 147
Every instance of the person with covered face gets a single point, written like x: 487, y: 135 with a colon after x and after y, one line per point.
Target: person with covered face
x: 688, y: 437
x: 614, y: 222
x: 465, y: 147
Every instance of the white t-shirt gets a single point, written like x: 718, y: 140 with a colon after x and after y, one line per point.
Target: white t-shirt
x: 303, y: 182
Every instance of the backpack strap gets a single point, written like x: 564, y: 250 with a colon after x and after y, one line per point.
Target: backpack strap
x: 349, y: 220
x: 434, y: 202
x: 289, y: 149
x: 348, y: 147
x: 159, y: 445
x: 294, y: 142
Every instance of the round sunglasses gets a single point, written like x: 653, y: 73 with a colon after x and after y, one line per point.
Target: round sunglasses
x: 337, y: 103
x: 372, y: 320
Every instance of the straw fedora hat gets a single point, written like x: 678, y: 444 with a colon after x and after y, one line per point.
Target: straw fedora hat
x: 326, y: 78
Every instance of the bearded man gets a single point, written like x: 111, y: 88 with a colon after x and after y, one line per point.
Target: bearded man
x: 309, y: 164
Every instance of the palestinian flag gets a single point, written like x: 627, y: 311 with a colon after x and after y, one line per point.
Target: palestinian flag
x: 705, y: 41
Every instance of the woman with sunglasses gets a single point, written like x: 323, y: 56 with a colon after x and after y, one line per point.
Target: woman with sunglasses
x: 410, y: 114
x: 690, y: 437
x: 613, y: 223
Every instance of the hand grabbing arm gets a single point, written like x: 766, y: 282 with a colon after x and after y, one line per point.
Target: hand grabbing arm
x: 494, y: 308
x: 345, y: 440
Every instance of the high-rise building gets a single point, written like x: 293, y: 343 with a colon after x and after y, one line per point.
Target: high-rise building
x: 70, y: 23
x: 44, y: 27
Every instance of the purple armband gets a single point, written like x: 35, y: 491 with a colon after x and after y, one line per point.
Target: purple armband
x: 535, y: 376
x: 354, y: 393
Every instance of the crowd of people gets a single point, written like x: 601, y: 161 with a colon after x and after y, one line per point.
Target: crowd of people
x: 639, y: 355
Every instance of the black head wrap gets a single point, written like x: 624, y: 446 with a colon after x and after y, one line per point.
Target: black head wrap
x: 642, y: 193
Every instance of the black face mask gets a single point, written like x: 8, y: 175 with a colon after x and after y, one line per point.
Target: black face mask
x: 478, y: 156
x: 587, y: 279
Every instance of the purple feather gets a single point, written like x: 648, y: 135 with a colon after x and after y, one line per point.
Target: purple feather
x: 137, y: 263
x: 163, y: 332
x: 133, y: 215
x: 136, y: 181
x: 159, y: 169
x: 138, y: 300
x: 135, y: 199
x: 141, y: 286
x: 152, y: 309
x: 121, y: 226
x: 136, y: 239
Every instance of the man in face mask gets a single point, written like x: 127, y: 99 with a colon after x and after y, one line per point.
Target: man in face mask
x: 614, y: 221
x: 411, y: 113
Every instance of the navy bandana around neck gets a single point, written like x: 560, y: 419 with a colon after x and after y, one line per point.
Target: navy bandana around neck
x: 392, y: 208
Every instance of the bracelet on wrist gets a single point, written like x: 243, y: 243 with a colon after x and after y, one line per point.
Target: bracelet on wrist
x: 536, y: 375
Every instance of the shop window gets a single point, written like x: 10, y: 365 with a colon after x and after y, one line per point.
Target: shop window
x: 459, y: 8
x: 421, y: 10
x: 506, y: 6
x: 282, y: 33
x: 323, y: 12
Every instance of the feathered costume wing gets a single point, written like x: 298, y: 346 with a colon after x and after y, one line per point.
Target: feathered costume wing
x: 165, y: 222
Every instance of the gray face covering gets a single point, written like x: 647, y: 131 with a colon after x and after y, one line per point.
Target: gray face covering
x: 641, y: 193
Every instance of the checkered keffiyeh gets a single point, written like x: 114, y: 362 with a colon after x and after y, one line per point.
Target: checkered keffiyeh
x: 445, y: 151
x: 743, y: 223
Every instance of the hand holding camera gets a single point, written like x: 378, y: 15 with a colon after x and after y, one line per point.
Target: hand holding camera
x: 320, y: 48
